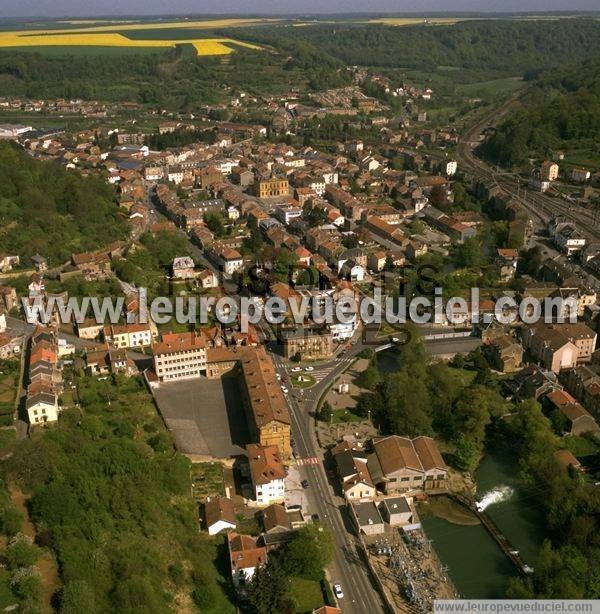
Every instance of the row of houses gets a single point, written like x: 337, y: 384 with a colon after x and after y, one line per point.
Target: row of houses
x: 390, y: 465
x: 44, y: 377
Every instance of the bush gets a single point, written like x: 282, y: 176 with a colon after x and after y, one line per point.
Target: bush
x: 11, y: 519
x: 21, y: 553
x: 77, y: 596
x: 26, y: 584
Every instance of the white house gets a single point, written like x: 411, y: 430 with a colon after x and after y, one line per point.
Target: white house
x: 42, y: 408
x: 352, y: 271
x: 568, y: 238
x: 207, y: 279
x: 287, y: 213
x: 267, y: 474
x: 231, y: 260
x: 219, y: 515
x: 175, y: 176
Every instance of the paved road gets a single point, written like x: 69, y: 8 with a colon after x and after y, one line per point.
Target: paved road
x: 360, y: 596
x: 542, y: 207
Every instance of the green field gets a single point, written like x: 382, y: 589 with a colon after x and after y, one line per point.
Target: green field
x: 307, y: 594
x: 89, y: 50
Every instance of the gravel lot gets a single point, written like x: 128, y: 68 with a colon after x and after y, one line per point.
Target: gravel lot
x: 205, y: 416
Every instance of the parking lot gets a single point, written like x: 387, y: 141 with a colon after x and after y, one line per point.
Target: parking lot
x: 205, y: 416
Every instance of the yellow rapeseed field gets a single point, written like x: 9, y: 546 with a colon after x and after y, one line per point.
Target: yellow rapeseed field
x: 96, y: 38
x: 411, y: 21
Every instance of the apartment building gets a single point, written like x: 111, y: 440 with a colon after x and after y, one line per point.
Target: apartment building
x: 307, y: 343
x: 180, y: 356
x: 44, y: 378
x: 128, y: 335
x: 267, y: 474
x: 559, y: 346
x: 265, y: 405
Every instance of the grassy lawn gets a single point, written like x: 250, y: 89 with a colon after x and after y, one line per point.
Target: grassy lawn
x: 302, y: 380
x: 580, y: 446
x: 307, y: 594
x: 345, y: 415
x: 465, y: 376
x: 207, y: 480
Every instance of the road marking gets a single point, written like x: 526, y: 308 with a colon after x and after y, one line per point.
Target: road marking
x: 311, y: 460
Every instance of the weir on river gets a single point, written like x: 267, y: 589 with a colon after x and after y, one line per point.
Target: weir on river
x: 511, y: 553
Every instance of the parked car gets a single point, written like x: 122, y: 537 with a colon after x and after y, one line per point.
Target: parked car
x: 304, y: 484
x: 337, y: 589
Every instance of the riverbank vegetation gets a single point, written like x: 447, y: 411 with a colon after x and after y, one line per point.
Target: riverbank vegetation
x: 568, y: 565
x: 423, y: 397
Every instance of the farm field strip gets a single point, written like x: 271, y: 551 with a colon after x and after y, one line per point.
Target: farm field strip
x: 42, y: 38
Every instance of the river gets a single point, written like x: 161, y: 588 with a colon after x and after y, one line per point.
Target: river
x: 477, y: 566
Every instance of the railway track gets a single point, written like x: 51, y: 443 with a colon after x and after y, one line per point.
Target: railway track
x: 540, y: 206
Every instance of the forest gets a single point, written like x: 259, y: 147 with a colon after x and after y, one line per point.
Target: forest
x: 305, y: 59
x: 172, y: 79
x: 561, y: 111
x: 111, y: 499
x: 502, y: 45
x: 47, y: 209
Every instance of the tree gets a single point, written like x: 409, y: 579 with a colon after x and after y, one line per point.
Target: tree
x: 284, y: 265
x: 21, y: 553
x: 370, y: 378
x: 468, y: 254
x: 269, y: 589
x: 77, y: 596
x: 308, y: 553
x: 438, y: 197
x: 530, y: 261
x: 214, y: 222
x: 467, y: 452
x: 326, y: 412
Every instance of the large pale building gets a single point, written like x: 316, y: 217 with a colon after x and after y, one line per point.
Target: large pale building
x: 400, y: 464
x: 180, y: 356
x: 307, y: 343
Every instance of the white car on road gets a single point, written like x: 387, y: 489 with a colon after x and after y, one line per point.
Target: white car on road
x: 309, y: 369
x: 296, y: 369
x: 337, y: 589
